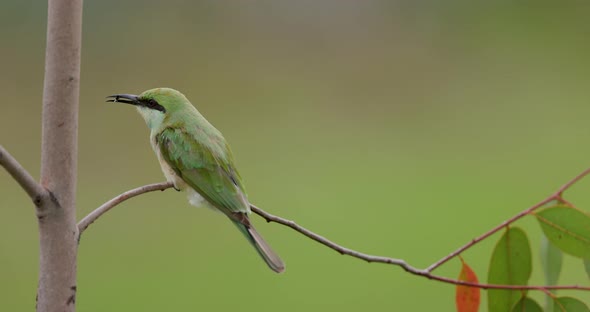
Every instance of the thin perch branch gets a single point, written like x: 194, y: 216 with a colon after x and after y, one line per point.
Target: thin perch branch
x: 91, y: 217
x: 328, y: 243
x: 22, y: 176
x: 372, y: 258
x: 398, y: 262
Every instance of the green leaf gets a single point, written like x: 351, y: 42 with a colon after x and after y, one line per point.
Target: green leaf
x: 587, y: 267
x: 551, y: 260
x: 567, y: 228
x: 527, y: 304
x: 510, y: 265
x: 569, y: 304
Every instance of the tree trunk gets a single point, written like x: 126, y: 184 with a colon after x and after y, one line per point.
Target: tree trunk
x: 59, y: 152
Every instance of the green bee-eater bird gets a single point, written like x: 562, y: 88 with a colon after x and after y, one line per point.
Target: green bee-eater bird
x: 196, y: 158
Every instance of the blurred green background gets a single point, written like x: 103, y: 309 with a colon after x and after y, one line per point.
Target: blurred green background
x: 397, y: 128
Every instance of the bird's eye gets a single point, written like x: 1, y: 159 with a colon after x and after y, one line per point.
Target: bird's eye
x: 153, y: 104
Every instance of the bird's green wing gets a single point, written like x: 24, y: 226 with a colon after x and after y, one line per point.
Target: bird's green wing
x: 205, y: 164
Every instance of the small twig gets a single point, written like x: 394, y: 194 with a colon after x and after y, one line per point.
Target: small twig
x: 91, y: 217
x: 487, y: 234
x: 571, y: 182
x: 555, y: 196
x: 22, y: 176
x: 549, y: 293
x: 398, y: 262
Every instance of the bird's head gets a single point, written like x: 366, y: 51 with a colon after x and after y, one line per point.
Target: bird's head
x: 154, y: 105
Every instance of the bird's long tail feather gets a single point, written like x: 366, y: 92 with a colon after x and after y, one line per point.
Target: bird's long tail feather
x: 270, y: 257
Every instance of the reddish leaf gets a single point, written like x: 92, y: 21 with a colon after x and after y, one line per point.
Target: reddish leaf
x: 466, y: 297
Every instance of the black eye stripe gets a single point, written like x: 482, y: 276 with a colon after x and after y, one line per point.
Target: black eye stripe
x: 153, y: 104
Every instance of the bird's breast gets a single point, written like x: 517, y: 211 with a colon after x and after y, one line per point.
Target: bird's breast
x: 169, y: 173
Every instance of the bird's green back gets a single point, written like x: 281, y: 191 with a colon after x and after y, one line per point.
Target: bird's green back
x: 197, y: 152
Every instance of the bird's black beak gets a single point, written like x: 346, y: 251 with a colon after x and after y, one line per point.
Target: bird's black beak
x: 124, y: 98
x: 134, y: 100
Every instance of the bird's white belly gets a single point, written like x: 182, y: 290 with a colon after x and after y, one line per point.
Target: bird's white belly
x: 196, y: 199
